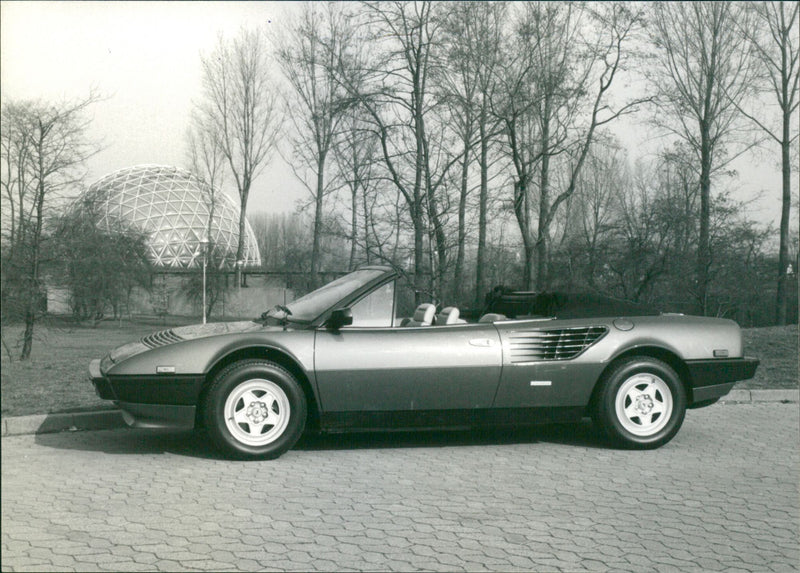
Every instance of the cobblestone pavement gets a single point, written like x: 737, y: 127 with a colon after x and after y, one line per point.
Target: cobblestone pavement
x: 723, y: 495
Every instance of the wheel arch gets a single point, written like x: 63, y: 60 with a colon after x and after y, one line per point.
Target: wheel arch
x: 272, y: 354
x: 657, y: 352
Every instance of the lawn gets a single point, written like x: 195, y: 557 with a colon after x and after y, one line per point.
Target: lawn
x: 776, y: 347
x: 55, y: 379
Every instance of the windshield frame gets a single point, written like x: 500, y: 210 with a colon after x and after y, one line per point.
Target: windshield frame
x: 321, y: 314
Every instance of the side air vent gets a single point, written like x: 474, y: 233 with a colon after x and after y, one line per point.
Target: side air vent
x: 552, y: 344
x: 161, y: 338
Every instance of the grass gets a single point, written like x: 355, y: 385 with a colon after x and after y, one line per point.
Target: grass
x: 55, y: 379
x: 776, y: 347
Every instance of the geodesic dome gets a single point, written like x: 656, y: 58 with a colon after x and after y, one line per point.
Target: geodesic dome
x: 172, y: 207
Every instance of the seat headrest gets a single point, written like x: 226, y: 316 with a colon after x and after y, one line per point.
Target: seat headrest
x: 449, y: 315
x: 425, y: 313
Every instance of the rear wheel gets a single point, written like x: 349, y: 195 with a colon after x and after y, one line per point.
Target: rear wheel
x: 255, y: 409
x: 641, y: 403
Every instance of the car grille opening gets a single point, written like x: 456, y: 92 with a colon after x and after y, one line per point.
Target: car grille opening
x: 161, y: 338
x: 552, y: 344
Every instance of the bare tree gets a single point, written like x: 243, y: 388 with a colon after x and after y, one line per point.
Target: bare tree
x: 560, y: 65
x: 703, y: 69
x: 240, y: 109
x: 206, y: 162
x: 472, y: 39
x: 776, y: 42
x: 392, y: 84
x: 307, y: 55
x: 204, y: 153
x: 44, y: 148
x: 589, y: 215
x: 356, y: 153
x: 655, y: 229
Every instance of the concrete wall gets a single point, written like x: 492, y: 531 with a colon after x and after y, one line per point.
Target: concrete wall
x: 167, y: 296
x: 58, y: 300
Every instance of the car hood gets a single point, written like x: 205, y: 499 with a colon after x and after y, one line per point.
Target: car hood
x: 181, y: 334
x: 213, y: 329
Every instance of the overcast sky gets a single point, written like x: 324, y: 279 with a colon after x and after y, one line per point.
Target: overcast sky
x: 145, y: 57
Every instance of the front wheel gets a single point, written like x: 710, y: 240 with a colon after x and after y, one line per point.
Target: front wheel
x: 641, y: 403
x: 255, y: 409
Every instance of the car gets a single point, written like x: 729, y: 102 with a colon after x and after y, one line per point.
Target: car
x: 358, y: 354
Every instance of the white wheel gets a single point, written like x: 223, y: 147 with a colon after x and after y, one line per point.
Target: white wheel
x: 257, y: 412
x: 643, y: 404
x: 640, y: 402
x: 254, y: 409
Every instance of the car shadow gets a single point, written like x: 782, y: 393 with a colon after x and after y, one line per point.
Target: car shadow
x: 129, y: 441
x: 582, y: 434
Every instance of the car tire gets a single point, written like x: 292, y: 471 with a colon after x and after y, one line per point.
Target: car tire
x: 254, y: 409
x: 641, y: 403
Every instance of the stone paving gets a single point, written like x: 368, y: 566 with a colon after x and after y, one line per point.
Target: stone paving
x: 723, y: 495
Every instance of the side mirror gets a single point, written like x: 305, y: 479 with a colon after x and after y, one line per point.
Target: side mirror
x: 340, y: 317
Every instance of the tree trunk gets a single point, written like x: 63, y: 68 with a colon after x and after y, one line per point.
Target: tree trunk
x: 419, y: 252
x: 441, y: 244
x: 544, y: 204
x: 418, y: 218
x: 318, y: 198
x: 27, y: 337
x: 353, y: 226
x: 529, y: 248
x: 32, y: 296
x: 240, y: 262
x: 786, y: 205
x: 458, y: 274
x: 523, y: 219
x: 480, y: 270
x: 703, y: 246
x: 366, y: 226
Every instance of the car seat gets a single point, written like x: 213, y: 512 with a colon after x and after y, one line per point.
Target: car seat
x: 423, y: 316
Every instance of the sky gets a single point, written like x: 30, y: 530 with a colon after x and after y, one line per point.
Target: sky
x: 144, y: 57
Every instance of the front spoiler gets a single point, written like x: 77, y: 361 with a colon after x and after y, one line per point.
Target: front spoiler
x: 157, y: 416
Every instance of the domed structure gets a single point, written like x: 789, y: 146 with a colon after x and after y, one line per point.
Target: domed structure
x: 172, y: 207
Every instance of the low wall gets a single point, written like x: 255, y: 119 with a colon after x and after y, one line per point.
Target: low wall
x: 167, y: 296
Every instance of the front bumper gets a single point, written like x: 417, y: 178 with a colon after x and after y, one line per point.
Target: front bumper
x: 102, y: 386
x: 150, y: 402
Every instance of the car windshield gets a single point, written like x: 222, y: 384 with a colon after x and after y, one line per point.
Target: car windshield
x: 313, y: 304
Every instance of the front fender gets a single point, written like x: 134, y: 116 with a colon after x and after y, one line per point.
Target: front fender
x: 199, y: 356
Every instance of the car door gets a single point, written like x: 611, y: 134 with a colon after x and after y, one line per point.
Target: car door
x: 545, y: 365
x: 380, y: 367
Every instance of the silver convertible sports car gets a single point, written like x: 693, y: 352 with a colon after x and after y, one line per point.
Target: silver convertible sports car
x: 356, y: 354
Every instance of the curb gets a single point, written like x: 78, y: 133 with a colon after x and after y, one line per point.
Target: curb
x: 760, y: 396
x: 112, y: 419
x: 50, y: 423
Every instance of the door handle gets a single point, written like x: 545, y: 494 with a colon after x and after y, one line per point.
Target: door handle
x: 483, y: 342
